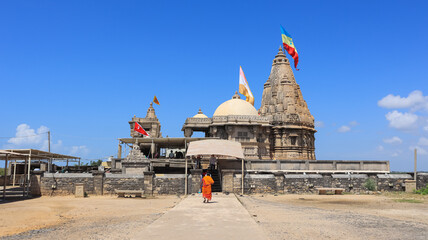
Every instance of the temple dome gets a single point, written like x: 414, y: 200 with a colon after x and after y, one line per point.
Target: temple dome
x: 200, y: 115
x: 236, y: 106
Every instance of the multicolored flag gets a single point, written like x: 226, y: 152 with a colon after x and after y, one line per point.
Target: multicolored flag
x: 138, y: 128
x: 244, y: 89
x: 155, y: 100
x: 287, y: 41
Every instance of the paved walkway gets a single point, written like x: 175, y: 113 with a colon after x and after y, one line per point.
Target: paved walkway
x: 223, y: 218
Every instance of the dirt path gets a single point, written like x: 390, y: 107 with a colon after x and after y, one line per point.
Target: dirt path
x: 85, y: 218
x: 338, y: 217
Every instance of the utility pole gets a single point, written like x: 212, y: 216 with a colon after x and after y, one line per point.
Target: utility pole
x: 415, y: 162
x: 49, y: 140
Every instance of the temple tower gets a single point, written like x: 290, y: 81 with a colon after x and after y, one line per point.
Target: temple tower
x: 292, y: 136
x: 150, y: 123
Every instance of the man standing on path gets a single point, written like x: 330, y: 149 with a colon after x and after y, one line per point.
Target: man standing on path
x: 207, y: 181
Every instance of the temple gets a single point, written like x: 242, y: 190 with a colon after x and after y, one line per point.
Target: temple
x: 282, y: 129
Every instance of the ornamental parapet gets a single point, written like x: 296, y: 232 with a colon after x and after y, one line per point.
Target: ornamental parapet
x: 198, y: 120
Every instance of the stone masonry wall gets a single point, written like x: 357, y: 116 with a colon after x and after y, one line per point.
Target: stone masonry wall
x: 64, y: 183
x: 169, y: 184
x: 122, y: 182
x: 421, y: 180
x: 101, y: 183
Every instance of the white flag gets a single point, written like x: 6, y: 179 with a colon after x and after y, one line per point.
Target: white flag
x: 244, y: 89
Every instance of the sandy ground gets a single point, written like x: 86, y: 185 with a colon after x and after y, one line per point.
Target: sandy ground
x: 340, y: 216
x: 80, y: 218
x: 280, y: 217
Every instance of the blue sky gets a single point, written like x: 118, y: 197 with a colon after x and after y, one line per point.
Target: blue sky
x: 82, y: 69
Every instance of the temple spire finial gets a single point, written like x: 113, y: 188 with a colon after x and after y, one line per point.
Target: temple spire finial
x: 236, y: 96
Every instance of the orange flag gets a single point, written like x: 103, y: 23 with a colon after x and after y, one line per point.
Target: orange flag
x: 155, y: 100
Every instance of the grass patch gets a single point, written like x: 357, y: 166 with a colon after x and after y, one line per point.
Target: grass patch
x: 408, y: 200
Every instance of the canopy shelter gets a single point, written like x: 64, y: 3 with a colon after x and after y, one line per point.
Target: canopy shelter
x: 215, y: 147
x: 27, y: 155
x: 159, y: 142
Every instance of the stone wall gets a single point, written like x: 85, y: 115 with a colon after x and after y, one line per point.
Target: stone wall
x: 64, y: 183
x: 421, y: 180
x: 122, y: 182
x: 99, y: 183
x: 392, y: 182
x: 169, y: 184
x: 308, y: 183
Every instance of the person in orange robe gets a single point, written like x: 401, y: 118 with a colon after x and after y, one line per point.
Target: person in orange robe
x: 207, y: 181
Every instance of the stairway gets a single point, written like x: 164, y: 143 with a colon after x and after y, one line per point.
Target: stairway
x: 216, y: 187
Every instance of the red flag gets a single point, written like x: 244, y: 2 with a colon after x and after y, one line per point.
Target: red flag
x: 140, y: 129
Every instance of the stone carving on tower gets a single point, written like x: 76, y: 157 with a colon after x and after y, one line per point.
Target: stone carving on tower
x: 292, y: 136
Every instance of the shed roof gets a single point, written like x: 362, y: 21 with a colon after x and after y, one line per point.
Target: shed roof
x: 21, y: 154
x: 216, y: 147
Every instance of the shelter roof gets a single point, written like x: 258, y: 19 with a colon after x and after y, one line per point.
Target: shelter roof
x: 215, y: 147
x: 163, y: 142
x: 21, y: 154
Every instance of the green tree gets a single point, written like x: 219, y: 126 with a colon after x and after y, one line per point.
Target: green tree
x: 370, y: 184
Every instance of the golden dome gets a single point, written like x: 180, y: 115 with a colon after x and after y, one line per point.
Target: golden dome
x: 200, y: 115
x: 236, y: 106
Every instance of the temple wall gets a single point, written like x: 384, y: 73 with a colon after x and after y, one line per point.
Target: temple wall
x: 263, y: 182
x: 122, y: 182
x: 169, y: 184
x: 64, y: 183
x: 309, y: 165
x: 308, y: 183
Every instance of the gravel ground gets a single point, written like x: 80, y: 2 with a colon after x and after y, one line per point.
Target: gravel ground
x: 284, y: 219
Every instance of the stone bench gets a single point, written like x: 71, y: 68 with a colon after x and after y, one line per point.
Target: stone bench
x: 325, y: 191
x: 130, y: 193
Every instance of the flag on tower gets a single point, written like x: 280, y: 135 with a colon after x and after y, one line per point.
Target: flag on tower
x: 155, y: 100
x: 287, y: 41
x: 244, y: 88
x: 138, y: 128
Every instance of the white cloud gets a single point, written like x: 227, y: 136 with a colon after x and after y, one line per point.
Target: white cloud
x: 380, y: 148
x: 344, y: 129
x: 319, y: 124
x: 26, y: 136
x: 402, y: 121
x: 353, y: 123
x: 423, y: 141
x: 394, y: 154
x: 79, y: 150
x: 420, y: 151
x: 426, y: 128
x: 393, y: 140
x: 415, y: 101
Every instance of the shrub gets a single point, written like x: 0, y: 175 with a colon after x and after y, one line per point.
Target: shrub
x: 423, y: 191
x: 370, y: 184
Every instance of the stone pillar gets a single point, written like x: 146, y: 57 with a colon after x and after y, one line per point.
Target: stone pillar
x: 79, y: 190
x: 279, y: 180
x: 98, y: 182
x: 36, y: 183
x: 227, y: 181
x: 195, y: 180
x: 410, y: 185
x: 149, y: 182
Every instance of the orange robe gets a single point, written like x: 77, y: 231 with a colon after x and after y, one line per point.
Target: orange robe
x: 207, y: 181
